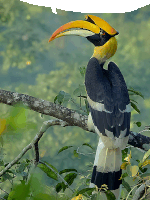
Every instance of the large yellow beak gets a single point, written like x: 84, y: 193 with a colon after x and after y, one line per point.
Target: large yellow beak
x: 79, y: 27
x: 84, y: 28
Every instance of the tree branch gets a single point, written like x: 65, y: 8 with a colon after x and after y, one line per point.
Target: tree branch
x: 45, y: 107
x: 69, y: 116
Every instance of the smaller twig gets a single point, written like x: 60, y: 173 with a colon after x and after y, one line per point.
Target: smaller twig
x: 83, y: 153
x: 132, y: 190
x: 57, y: 175
x: 43, y: 129
x: 80, y: 108
x: 147, y: 128
x: 4, y: 190
x: 36, y: 149
x: 140, y: 191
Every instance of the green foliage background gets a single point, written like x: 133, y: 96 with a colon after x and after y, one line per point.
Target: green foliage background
x: 24, y: 33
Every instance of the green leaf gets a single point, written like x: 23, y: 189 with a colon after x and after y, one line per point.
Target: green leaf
x: 126, y: 185
x: 64, y: 148
x: 62, y: 97
x: 1, y: 163
x: 6, y: 176
x: 67, y: 170
x: 48, y: 171
x: 136, y: 92
x: 17, y: 119
x: 80, y: 90
x: 146, y: 155
x: 138, y: 124
x: 88, y: 190
x: 1, y: 141
x: 124, y: 175
x: 86, y: 144
x: 64, y: 186
x: 41, y: 196
x: 69, y: 178
x: 88, y: 180
x: 67, y: 97
x: 133, y: 100
x: 135, y: 107
x: 145, y: 175
x: 87, y: 105
x: 143, y: 170
x: 21, y: 168
x: 75, y: 154
x: 82, y: 71
x: 20, y: 192
x: 110, y: 195
x: 132, y: 170
x: 58, y: 187
x: 124, y: 154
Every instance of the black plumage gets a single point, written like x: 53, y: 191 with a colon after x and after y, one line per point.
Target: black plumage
x: 108, y: 88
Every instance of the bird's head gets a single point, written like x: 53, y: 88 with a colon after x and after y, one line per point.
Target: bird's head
x: 96, y: 30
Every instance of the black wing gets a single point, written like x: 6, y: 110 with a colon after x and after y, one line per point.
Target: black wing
x: 108, y: 98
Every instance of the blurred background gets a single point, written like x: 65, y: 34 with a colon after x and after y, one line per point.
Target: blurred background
x: 30, y: 65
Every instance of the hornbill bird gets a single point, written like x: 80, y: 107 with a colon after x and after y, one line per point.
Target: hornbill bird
x: 107, y: 97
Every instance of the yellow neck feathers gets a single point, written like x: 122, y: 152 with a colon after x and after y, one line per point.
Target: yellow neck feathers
x: 102, y: 53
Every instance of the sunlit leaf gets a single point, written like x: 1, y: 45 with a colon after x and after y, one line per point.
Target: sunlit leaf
x: 146, y: 155
x: 146, y: 162
x: 79, y: 197
x: 132, y: 170
x: 124, y: 165
x: 2, y: 125
x: 128, y: 158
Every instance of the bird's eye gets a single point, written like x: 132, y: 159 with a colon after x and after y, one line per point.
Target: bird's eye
x: 102, y: 32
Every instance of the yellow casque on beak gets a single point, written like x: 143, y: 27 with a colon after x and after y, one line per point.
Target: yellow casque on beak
x: 103, y: 25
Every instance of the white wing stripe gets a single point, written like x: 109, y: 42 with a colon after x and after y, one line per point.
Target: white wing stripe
x: 100, y: 106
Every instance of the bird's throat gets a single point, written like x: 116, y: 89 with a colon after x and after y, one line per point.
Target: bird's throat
x: 102, y: 53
